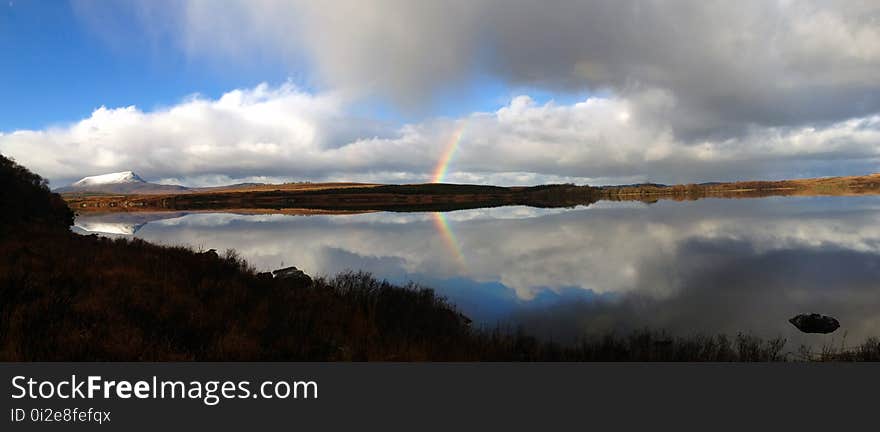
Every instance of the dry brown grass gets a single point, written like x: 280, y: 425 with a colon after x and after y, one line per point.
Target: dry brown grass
x: 827, y: 186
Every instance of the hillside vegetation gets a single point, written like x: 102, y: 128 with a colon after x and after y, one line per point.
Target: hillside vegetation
x: 26, y: 199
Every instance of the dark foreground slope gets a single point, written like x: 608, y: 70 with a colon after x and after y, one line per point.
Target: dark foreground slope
x: 70, y: 297
x: 26, y: 200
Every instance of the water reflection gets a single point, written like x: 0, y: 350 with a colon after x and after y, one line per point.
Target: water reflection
x: 689, y: 267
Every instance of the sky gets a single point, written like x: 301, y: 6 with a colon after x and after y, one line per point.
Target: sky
x: 479, y: 91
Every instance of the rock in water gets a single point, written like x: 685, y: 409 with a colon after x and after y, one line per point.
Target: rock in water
x: 293, y: 274
x: 815, y: 323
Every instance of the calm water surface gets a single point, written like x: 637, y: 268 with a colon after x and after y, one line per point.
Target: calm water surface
x: 704, y: 266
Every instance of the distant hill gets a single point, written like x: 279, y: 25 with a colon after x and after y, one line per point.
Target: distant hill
x: 129, y: 183
x: 125, y: 182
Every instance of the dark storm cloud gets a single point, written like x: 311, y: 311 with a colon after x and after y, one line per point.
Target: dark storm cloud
x: 762, y: 62
x: 723, y: 63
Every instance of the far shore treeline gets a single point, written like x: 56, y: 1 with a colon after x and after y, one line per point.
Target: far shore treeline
x: 446, y: 197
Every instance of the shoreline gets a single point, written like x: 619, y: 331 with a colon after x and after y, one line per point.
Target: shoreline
x: 327, y: 198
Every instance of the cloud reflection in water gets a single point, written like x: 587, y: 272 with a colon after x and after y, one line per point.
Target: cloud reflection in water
x: 691, y: 267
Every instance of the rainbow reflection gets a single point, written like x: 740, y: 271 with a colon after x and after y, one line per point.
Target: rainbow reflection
x: 439, y: 219
x: 449, y: 238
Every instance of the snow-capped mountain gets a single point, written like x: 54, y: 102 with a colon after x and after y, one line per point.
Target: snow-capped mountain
x: 112, y: 178
x: 125, y: 182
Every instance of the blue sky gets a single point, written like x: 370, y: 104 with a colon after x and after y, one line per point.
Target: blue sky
x: 592, y: 92
x: 55, y: 69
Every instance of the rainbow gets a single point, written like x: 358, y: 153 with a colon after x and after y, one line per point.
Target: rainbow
x: 448, y: 153
x: 439, y: 219
x: 449, y: 238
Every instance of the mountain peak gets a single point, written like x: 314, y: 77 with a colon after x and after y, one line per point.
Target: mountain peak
x: 125, y: 182
x: 112, y: 178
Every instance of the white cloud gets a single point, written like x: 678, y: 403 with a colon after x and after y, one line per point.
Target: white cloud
x: 282, y: 133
